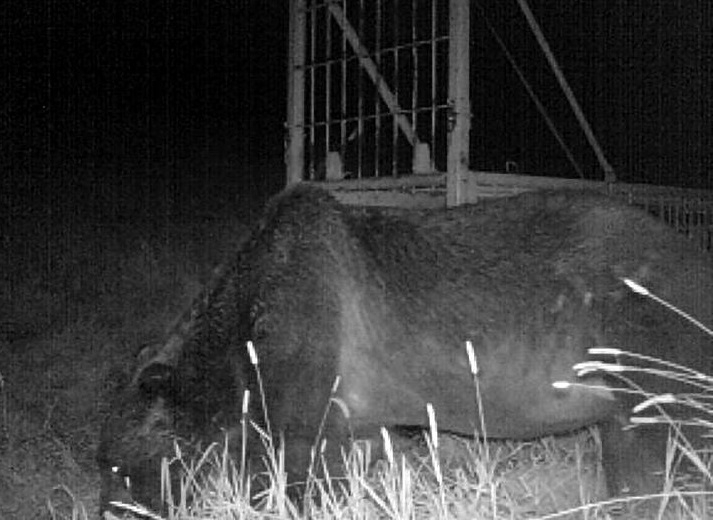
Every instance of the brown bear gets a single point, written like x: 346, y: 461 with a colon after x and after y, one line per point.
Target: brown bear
x: 385, y: 301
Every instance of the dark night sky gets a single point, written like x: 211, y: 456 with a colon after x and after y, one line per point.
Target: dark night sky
x: 119, y: 107
x: 642, y: 71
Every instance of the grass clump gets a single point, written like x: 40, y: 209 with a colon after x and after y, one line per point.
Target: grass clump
x: 449, y: 477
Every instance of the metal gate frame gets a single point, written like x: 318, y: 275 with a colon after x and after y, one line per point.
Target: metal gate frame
x: 687, y: 210
x: 312, y: 27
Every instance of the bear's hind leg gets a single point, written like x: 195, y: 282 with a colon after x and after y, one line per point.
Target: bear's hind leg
x: 633, y: 458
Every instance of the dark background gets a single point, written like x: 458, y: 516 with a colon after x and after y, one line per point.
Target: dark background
x: 116, y: 109
x: 641, y: 70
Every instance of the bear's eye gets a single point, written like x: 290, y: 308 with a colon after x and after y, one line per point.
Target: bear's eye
x: 116, y: 470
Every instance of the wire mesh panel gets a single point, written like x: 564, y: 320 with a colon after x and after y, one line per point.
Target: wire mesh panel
x: 375, y: 97
x: 689, y: 215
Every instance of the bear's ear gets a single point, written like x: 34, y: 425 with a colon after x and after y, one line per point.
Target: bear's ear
x: 156, y: 380
x: 146, y: 352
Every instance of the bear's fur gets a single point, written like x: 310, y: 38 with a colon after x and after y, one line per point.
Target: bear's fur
x: 386, y: 301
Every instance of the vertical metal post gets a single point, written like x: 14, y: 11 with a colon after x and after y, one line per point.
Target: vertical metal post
x: 377, y: 121
x: 434, y: 77
x: 458, y: 100
x: 358, y: 138
x: 328, y: 63
x: 295, y: 152
x: 312, y: 89
x: 396, y: 88
x: 414, y: 57
x: 343, y: 89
